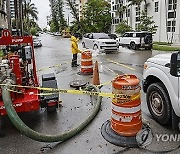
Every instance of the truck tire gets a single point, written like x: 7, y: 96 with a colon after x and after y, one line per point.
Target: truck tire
x: 148, y: 39
x: 159, y: 103
x: 132, y: 46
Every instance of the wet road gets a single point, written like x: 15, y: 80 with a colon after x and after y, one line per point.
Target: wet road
x: 75, y: 108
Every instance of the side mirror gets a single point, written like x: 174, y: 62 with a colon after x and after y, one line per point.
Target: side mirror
x: 175, y: 64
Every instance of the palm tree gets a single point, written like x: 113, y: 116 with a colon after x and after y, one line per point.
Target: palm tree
x: 30, y: 11
x: 30, y: 15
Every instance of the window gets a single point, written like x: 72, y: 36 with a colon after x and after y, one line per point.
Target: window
x: 128, y: 35
x: 171, y: 26
x: 137, y: 19
x: 112, y: 15
x: 113, y: 8
x: 156, y: 6
x: 121, y: 15
x: 172, y: 4
x: 137, y: 11
x: 171, y: 14
x: 127, y: 12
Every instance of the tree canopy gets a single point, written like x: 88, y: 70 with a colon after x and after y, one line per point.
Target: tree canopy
x: 96, y: 16
x: 146, y: 23
x: 123, y: 27
x: 58, y: 21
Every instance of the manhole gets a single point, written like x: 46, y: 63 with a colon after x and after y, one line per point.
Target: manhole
x: 77, y: 84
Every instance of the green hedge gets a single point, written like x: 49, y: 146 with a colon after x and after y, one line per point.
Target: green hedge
x: 165, y: 48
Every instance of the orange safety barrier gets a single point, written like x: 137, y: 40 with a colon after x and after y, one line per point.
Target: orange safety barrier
x: 86, y: 62
x: 126, y: 114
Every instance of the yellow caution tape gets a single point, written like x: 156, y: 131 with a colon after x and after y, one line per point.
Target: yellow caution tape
x: 121, y: 64
x: 57, y: 65
x: 80, y: 92
x: 105, y: 83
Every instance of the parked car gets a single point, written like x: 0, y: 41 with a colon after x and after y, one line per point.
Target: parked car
x: 37, y: 42
x: 57, y: 34
x: 113, y: 36
x: 162, y: 87
x: 99, y: 41
x: 136, y: 40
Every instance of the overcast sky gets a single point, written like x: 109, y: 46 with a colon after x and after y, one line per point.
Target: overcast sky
x: 44, y: 11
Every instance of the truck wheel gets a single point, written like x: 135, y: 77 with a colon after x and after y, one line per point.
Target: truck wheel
x: 159, y: 103
x: 133, y: 46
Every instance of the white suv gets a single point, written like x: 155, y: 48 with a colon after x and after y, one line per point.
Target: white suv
x: 136, y: 40
x: 99, y: 41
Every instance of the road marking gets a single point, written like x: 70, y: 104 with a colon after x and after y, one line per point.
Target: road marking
x: 121, y: 64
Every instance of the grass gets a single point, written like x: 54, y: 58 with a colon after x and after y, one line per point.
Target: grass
x: 162, y: 43
x: 165, y: 48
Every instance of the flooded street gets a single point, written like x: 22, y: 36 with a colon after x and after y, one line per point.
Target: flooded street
x: 55, y: 57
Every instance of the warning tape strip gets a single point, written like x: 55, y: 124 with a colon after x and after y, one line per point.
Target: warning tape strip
x: 57, y: 65
x: 105, y: 83
x: 64, y: 91
x: 121, y: 64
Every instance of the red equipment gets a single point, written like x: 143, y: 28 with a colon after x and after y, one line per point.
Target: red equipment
x: 20, y: 67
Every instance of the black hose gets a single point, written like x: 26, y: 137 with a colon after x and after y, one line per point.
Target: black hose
x: 21, y: 126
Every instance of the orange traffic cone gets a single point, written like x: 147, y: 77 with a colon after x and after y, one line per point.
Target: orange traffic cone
x: 95, y: 80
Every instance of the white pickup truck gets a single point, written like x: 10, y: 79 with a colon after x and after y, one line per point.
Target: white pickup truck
x: 136, y: 40
x: 161, y: 83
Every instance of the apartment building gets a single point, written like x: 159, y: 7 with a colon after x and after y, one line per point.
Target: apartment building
x: 12, y: 9
x: 166, y: 14
x: 3, y: 15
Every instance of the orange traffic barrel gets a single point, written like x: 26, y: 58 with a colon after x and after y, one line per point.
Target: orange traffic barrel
x: 126, y: 111
x: 86, y: 63
x: 125, y: 127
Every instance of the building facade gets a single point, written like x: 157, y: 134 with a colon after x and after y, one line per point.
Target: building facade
x: 3, y: 15
x: 165, y: 13
x: 12, y: 9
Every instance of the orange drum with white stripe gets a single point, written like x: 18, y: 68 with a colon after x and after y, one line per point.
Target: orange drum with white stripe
x: 86, y: 62
x: 126, y: 111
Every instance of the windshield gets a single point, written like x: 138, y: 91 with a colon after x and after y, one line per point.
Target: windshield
x: 100, y: 36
